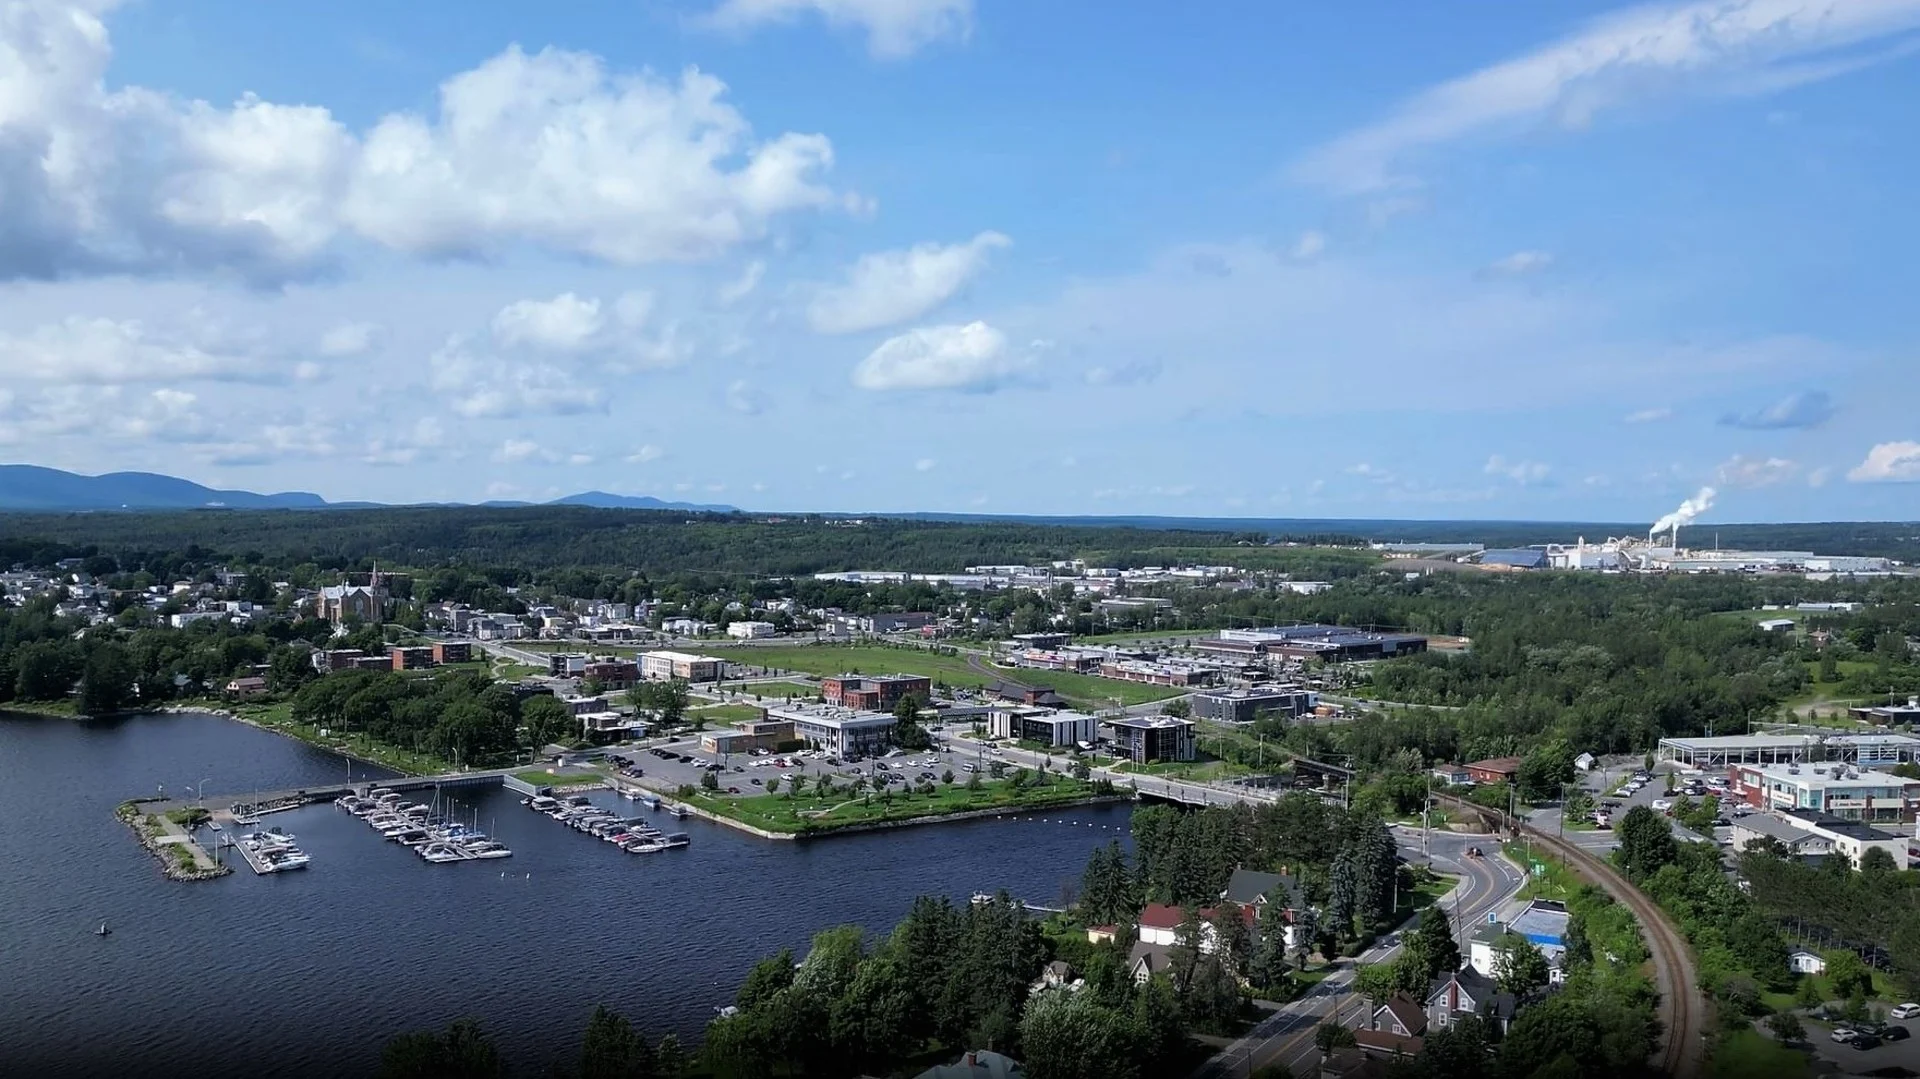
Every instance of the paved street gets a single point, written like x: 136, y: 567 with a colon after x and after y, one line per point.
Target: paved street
x: 1486, y: 885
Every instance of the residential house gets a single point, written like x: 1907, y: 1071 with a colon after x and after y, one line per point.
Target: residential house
x: 1806, y: 962
x: 1160, y: 925
x: 1468, y: 992
x: 1252, y: 890
x: 1453, y: 775
x: 1147, y: 959
x: 977, y: 1064
x: 250, y: 686
x: 1544, y: 925
x: 1494, y: 770
x: 1396, y: 1028
x: 1057, y: 975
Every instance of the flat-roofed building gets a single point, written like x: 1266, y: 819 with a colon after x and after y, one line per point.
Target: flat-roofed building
x: 1836, y: 789
x: 875, y: 692
x: 1048, y: 726
x: 1849, y: 837
x: 1246, y: 705
x: 844, y: 731
x: 751, y: 735
x: 566, y: 664
x: 452, y: 652
x: 411, y: 658
x: 1144, y: 739
x: 661, y: 666
x: 1717, y: 754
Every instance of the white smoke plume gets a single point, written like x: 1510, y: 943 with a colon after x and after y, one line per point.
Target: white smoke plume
x: 1691, y: 508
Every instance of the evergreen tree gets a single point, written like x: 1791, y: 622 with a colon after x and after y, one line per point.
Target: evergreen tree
x: 1431, y: 948
x: 612, y: 1049
x: 1341, y: 896
x: 1267, y: 965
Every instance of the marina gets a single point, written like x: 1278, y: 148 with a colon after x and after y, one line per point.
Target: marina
x: 271, y: 851
x: 437, y: 838
x: 631, y: 834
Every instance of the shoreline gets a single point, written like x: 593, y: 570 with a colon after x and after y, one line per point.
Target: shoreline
x: 858, y: 827
x: 226, y: 713
x: 130, y: 813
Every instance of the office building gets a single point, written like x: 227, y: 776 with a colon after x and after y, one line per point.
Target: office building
x: 843, y: 731
x: 1839, y: 790
x: 874, y: 692
x: 1047, y: 726
x: 1145, y: 739
x: 1246, y: 705
x: 661, y: 666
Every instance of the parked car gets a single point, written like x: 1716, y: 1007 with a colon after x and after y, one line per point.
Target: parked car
x: 1864, y: 1041
x: 1895, y: 1034
x: 1843, y: 1034
x: 1906, y: 1011
x: 1662, y: 804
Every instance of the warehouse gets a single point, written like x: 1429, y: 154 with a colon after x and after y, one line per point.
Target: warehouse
x: 1719, y: 754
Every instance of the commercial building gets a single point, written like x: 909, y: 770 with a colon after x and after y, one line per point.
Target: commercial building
x: 1078, y: 660
x: 748, y: 631
x: 452, y: 652
x: 661, y: 666
x: 754, y: 734
x: 612, y: 674
x: 1047, y: 726
x: 1144, y: 739
x: 1720, y: 754
x: 1158, y: 674
x: 844, y: 731
x: 1889, y: 714
x: 1837, y: 789
x: 896, y: 622
x: 1800, y: 842
x: 1045, y: 642
x: 873, y: 692
x: 1314, y: 641
x: 412, y: 658
x: 1246, y: 705
x: 566, y: 664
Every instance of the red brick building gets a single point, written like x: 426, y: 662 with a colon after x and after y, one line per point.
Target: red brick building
x: 412, y: 658
x: 1494, y: 770
x: 875, y: 693
x: 612, y: 674
x: 452, y: 652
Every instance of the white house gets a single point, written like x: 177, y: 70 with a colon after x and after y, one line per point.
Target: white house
x: 1584, y: 762
x: 1805, y: 962
x: 748, y: 631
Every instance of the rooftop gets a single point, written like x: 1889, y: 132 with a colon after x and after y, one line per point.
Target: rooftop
x: 1148, y: 723
x: 1542, y: 922
x: 827, y: 715
x: 1823, y: 774
x: 1772, y: 741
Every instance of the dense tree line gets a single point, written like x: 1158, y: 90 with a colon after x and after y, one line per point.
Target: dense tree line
x: 611, y: 1047
x: 462, y: 715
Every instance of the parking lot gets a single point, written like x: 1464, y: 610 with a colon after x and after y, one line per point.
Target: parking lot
x: 740, y: 770
x: 1903, y: 1055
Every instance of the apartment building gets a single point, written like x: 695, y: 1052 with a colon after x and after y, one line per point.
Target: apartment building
x: 661, y: 666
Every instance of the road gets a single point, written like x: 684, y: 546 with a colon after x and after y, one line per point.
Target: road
x: 1285, y: 1037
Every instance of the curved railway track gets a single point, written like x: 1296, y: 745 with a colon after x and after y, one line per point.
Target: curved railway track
x: 1682, y: 1011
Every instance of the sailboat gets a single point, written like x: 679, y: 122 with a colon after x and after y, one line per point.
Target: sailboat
x: 102, y: 931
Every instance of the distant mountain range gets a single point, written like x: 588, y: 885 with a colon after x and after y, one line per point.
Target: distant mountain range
x: 30, y: 487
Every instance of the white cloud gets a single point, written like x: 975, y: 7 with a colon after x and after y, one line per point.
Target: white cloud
x: 741, y: 287
x: 1368, y: 471
x: 1889, y: 462
x: 101, y: 350
x: 565, y: 323
x: 349, y: 339
x: 1819, y: 476
x: 1519, y: 264
x: 970, y: 357
x: 1743, y: 471
x: 526, y: 451
x: 894, y: 28
x: 891, y: 287
x: 1125, y: 374
x: 1648, y: 415
x: 1309, y: 245
x: 646, y: 453
x: 422, y: 442
x: 744, y: 399
x: 480, y: 386
x: 1525, y: 473
x: 1707, y: 46
x: 274, y: 443
x: 924, y: 464
x: 575, y: 327
x: 547, y: 149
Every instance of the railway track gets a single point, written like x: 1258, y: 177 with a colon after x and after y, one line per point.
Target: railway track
x: 1682, y: 1011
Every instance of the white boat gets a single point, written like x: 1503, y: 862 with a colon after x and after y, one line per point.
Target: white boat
x: 442, y: 852
x: 284, y: 859
x: 644, y: 848
x: 489, y: 849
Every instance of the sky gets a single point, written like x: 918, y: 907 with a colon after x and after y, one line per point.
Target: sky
x: 1572, y: 261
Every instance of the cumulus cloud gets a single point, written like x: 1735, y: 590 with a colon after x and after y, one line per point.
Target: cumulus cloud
x: 741, y: 287
x: 107, y: 351
x: 423, y: 441
x: 1525, y: 473
x: 516, y: 451
x: 349, y: 339
x: 1309, y: 245
x: 895, y: 28
x: 891, y: 287
x: 744, y: 399
x: 1702, y: 47
x: 1743, y: 471
x: 274, y: 443
x: 971, y: 357
x: 1889, y: 462
x: 1648, y: 415
x: 1799, y: 410
x: 479, y: 385
x: 547, y: 149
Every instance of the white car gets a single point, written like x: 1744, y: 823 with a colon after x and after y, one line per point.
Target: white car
x: 1841, y: 1034
x: 1906, y: 1011
x: 1661, y: 805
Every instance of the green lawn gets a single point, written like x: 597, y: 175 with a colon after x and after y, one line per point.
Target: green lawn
x: 278, y: 715
x: 830, y: 659
x: 1748, y: 1054
x: 811, y: 813
x: 1555, y: 881
x: 725, y: 713
x: 776, y: 690
x: 67, y: 708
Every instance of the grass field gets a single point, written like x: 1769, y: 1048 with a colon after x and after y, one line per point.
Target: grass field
x: 778, y: 690
x: 811, y: 813
x: 830, y: 659
x: 1748, y: 1054
x: 725, y: 713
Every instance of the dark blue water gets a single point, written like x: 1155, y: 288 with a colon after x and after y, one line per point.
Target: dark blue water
x: 308, y: 973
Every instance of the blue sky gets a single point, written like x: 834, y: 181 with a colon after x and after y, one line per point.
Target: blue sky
x: 1454, y: 261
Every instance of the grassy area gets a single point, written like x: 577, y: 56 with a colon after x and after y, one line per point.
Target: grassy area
x: 776, y: 690
x: 725, y: 713
x: 1554, y: 881
x: 67, y: 708
x: 830, y: 659
x: 1744, y: 1054
x: 558, y: 779
x: 810, y: 813
x: 513, y: 672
